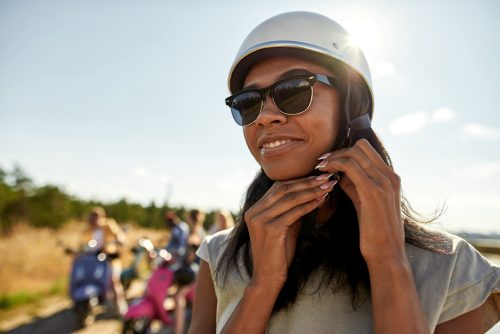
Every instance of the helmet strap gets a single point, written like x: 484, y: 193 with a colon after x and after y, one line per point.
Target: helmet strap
x: 359, y: 123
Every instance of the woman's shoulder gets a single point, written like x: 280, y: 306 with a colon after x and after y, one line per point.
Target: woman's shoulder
x: 431, y: 239
x: 450, y: 273
x: 212, y: 245
x: 449, y: 258
x: 219, y: 237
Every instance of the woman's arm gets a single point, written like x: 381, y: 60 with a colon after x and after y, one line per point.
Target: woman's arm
x: 205, y: 302
x: 374, y: 189
x: 395, y: 301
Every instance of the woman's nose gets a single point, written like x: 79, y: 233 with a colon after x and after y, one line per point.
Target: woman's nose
x: 270, y: 114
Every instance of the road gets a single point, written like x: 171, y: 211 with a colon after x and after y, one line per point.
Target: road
x: 63, y: 322
x: 55, y: 316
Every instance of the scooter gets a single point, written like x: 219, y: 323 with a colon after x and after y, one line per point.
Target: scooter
x: 143, y: 252
x: 90, y: 283
x: 150, y: 307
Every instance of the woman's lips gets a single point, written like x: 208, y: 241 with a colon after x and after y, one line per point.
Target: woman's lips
x: 278, y: 147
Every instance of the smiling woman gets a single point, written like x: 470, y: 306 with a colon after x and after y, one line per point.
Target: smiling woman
x: 325, y: 242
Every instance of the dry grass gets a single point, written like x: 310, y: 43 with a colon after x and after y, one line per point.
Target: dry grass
x: 33, y: 261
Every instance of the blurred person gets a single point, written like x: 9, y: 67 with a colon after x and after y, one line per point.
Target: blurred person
x: 325, y: 242
x: 108, y: 238
x: 188, y: 270
x: 179, y: 233
x: 222, y: 220
x: 185, y: 277
x: 195, y: 220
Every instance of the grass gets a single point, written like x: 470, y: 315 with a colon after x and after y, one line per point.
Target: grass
x: 9, y: 301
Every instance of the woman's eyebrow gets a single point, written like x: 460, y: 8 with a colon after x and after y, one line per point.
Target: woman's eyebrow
x: 293, y: 72
x: 284, y: 75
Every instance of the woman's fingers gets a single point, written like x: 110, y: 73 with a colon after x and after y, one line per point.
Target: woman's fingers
x: 362, y: 155
x: 292, y: 215
x: 296, y: 198
x: 283, y: 196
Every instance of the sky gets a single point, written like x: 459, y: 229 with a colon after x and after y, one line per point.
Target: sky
x: 117, y: 98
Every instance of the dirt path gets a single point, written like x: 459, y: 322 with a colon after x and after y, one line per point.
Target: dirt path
x: 63, y: 321
x: 54, y: 315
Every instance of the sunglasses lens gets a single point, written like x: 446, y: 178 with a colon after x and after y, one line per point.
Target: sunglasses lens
x: 293, y: 96
x: 245, y: 107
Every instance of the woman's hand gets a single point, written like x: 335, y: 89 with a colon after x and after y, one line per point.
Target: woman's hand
x: 374, y: 189
x: 274, y: 223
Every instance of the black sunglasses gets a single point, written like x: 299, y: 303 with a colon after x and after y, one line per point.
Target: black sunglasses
x: 292, y: 96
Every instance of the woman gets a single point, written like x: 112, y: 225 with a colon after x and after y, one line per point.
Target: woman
x: 325, y: 243
x: 108, y: 237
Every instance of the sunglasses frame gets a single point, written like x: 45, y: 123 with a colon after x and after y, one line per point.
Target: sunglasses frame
x: 310, y: 78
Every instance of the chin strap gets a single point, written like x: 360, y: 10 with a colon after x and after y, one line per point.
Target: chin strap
x: 359, y: 123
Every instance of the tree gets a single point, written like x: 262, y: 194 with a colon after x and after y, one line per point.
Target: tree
x: 50, y: 207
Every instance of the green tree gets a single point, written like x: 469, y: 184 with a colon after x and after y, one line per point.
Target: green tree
x: 50, y: 207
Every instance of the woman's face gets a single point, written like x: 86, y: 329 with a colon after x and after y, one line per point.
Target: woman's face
x: 298, y: 140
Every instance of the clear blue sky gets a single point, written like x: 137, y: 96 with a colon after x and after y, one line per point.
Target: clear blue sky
x: 112, y: 99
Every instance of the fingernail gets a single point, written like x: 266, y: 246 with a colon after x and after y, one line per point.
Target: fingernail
x: 324, y: 156
x: 322, y: 197
x: 329, y: 184
x: 324, y: 176
x: 321, y: 165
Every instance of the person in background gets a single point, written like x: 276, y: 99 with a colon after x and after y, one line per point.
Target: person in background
x: 179, y: 233
x: 222, y: 220
x: 104, y: 235
x: 195, y: 220
x: 186, y: 274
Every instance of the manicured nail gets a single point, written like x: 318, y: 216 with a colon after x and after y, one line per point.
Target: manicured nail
x: 322, y: 197
x: 324, y: 176
x: 321, y: 165
x: 329, y: 184
x: 324, y: 156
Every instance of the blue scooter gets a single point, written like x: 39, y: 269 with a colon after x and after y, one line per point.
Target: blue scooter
x: 90, y: 283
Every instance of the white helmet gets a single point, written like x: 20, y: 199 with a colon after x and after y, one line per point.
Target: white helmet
x: 302, y: 34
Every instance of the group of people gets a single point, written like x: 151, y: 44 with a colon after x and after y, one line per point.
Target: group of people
x: 104, y: 234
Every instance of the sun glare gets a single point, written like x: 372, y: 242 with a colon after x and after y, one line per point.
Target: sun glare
x: 364, y: 34
x: 368, y: 27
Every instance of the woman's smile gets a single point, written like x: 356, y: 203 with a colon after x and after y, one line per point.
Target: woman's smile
x: 275, y: 145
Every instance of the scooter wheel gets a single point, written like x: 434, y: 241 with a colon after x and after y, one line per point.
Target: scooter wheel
x: 83, y: 313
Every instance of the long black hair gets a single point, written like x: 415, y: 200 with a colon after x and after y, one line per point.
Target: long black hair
x: 330, y: 249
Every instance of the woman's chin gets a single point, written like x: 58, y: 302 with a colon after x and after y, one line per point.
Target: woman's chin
x: 288, y: 174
